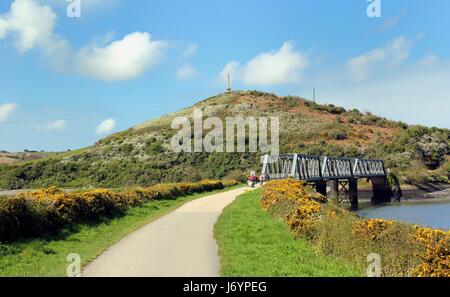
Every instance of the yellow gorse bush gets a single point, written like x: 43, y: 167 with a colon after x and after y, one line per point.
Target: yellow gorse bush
x: 427, y: 253
x: 44, y: 211
x: 373, y: 228
x: 435, y: 255
x: 433, y: 245
x: 71, y: 206
x: 303, y: 203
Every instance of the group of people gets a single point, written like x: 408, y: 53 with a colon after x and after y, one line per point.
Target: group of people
x: 252, y: 179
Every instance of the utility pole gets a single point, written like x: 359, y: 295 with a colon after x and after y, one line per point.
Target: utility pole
x: 314, y: 95
x: 229, y: 83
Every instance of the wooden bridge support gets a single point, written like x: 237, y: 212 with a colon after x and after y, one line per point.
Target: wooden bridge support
x: 382, y: 191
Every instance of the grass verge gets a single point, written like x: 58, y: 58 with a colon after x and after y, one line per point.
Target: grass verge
x: 251, y: 243
x: 47, y: 256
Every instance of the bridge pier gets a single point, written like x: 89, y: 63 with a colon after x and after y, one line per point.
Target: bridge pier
x: 321, y: 187
x: 348, y: 190
x: 333, y: 190
x: 353, y: 193
x: 382, y: 191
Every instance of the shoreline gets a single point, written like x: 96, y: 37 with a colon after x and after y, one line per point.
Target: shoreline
x: 443, y: 195
x: 414, y: 193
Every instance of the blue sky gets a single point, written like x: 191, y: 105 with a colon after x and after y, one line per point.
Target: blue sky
x: 67, y: 82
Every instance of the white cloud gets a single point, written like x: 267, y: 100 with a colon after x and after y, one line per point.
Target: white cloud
x: 3, y: 27
x: 392, y: 22
x: 105, y: 127
x: 30, y: 24
x: 6, y: 110
x: 56, y: 125
x: 275, y: 67
x: 282, y: 66
x: 190, y: 50
x: 429, y: 60
x: 392, y: 54
x: 121, y: 60
x: 186, y: 72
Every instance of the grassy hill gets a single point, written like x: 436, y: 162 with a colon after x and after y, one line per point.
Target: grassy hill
x: 142, y: 156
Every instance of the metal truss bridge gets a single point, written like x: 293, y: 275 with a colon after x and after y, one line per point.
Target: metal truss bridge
x: 315, y: 168
x: 337, y: 178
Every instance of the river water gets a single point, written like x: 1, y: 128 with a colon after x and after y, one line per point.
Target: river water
x: 434, y: 214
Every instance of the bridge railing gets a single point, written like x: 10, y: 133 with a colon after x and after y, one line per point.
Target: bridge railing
x: 368, y: 168
x: 337, y: 168
x: 313, y: 168
x: 306, y: 167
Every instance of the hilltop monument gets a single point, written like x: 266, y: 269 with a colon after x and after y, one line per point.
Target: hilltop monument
x: 229, y: 83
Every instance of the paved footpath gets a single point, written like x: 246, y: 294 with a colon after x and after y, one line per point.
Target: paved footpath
x: 179, y: 244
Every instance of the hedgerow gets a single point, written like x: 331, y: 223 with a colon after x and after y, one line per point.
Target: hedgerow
x: 45, y: 211
x: 405, y: 250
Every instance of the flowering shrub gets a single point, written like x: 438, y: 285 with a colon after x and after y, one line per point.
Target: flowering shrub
x: 44, y: 211
x: 435, y: 256
x: 277, y: 190
x: 405, y: 249
x: 372, y: 229
x: 292, y: 199
x: 230, y: 182
x: 69, y: 207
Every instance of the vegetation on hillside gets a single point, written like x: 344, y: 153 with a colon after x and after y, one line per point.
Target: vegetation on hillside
x: 142, y: 155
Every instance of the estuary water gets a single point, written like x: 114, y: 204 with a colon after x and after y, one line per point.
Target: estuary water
x: 434, y: 214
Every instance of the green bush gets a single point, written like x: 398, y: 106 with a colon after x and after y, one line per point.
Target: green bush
x: 237, y: 175
x: 330, y: 108
x: 337, y: 134
x: 155, y: 148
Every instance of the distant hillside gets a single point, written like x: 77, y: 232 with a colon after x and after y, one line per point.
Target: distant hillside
x: 14, y: 158
x: 141, y: 155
